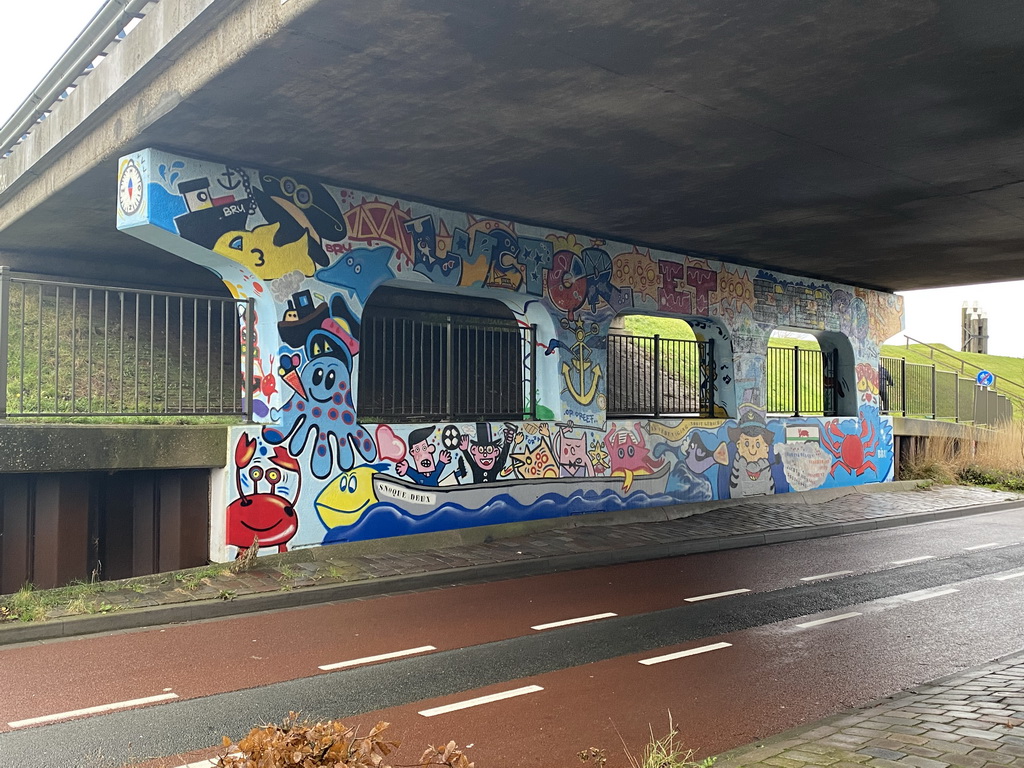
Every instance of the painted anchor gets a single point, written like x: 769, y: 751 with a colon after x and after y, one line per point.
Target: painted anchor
x: 581, y: 363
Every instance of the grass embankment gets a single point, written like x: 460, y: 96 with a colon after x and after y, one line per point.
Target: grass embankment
x: 74, y: 355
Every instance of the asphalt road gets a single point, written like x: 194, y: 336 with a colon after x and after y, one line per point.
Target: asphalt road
x: 900, y: 626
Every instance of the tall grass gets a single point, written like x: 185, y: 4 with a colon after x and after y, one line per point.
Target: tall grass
x: 996, y: 460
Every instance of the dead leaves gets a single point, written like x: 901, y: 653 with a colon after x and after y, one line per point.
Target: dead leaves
x: 330, y: 744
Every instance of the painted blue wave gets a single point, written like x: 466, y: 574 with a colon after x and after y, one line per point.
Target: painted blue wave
x: 383, y: 520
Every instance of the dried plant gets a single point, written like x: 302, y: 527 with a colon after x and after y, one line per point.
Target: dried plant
x: 247, y: 558
x: 299, y: 743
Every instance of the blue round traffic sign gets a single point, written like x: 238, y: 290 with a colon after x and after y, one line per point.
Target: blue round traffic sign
x: 986, y: 378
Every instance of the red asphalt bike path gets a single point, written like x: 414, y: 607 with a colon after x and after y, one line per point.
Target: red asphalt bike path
x: 238, y: 653
x: 769, y: 679
x: 210, y: 657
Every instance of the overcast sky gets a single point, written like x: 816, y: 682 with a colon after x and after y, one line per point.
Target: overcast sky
x: 33, y: 35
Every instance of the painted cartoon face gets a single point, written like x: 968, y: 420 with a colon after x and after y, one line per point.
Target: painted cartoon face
x: 266, y: 516
x: 535, y: 462
x: 325, y: 377
x: 485, y: 456
x: 572, y: 452
x: 423, y: 456
x: 752, y: 447
x: 346, y: 497
x: 256, y: 251
x: 629, y: 453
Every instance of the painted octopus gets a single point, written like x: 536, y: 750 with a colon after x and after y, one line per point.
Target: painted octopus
x: 321, y: 408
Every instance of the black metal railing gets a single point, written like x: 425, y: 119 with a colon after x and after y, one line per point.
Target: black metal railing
x: 925, y: 392
x: 655, y: 376
x: 802, y: 382
x: 74, y: 349
x: 419, y: 366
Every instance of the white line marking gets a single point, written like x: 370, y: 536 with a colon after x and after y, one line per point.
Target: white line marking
x: 1011, y: 576
x: 829, y: 620
x: 580, y: 620
x: 93, y: 710
x: 716, y: 594
x: 825, y: 575
x: 913, y: 559
x: 379, y: 657
x: 480, y: 700
x: 982, y: 546
x: 682, y: 654
x: 208, y: 763
x: 930, y: 595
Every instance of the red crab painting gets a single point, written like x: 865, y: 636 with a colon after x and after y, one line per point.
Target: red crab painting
x: 852, y: 451
x: 270, y: 517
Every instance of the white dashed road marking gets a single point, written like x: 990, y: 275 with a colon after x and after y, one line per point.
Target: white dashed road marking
x: 929, y: 595
x: 913, y: 559
x: 379, y: 657
x: 829, y: 620
x: 580, y: 620
x: 683, y: 654
x: 712, y: 596
x: 93, y: 710
x: 480, y: 700
x: 825, y: 575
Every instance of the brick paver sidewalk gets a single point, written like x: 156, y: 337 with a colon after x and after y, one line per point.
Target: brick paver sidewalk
x: 787, y: 517
x: 974, y: 719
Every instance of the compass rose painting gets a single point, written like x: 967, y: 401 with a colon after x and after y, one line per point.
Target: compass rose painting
x: 130, y: 192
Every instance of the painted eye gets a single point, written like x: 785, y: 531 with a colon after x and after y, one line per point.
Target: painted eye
x: 630, y: 451
x: 318, y: 376
x: 256, y: 472
x: 353, y: 483
x: 274, y: 475
x: 288, y: 185
x: 236, y: 243
x: 622, y: 453
x: 202, y: 197
x: 329, y: 381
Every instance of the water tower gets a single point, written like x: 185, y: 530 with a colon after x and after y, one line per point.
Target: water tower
x: 974, y: 336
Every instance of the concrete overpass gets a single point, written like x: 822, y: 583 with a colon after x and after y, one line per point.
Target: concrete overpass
x: 873, y: 143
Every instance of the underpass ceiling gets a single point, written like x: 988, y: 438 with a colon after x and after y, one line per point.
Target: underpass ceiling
x: 876, y: 142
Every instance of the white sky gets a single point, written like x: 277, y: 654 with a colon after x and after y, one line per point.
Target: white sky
x: 34, y: 34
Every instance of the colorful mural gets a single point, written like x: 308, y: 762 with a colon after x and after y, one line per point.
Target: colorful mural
x: 311, y: 256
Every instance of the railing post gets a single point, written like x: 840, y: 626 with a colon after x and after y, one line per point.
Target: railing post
x: 533, y: 372
x: 956, y: 397
x: 250, y: 355
x: 450, y: 368
x: 657, y: 376
x: 709, y: 351
x: 796, y: 381
x: 903, y: 386
x: 935, y: 412
x: 4, y: 337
